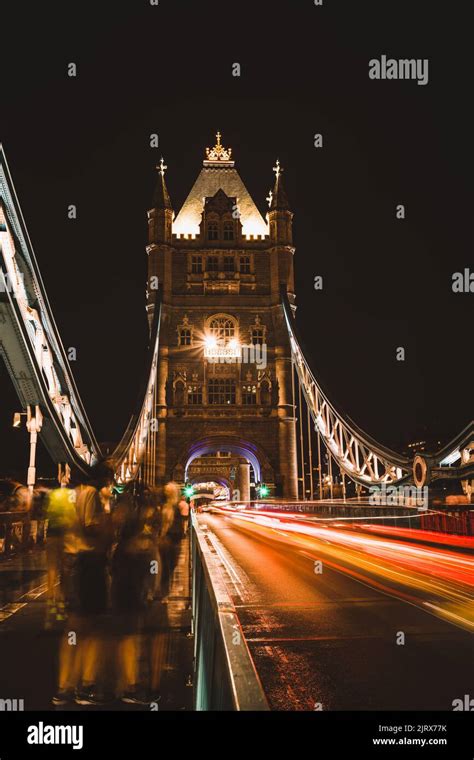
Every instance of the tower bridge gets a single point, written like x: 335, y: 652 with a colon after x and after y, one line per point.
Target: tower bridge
x: 220, y: 280
x: 232, y: 405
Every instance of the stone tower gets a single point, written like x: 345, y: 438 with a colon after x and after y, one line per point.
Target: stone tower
x: 224, y: 399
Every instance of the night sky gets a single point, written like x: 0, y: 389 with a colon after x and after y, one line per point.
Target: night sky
x: 168, y: 69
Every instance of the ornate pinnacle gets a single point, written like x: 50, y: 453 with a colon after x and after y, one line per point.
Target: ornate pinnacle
x: 162, y: 167
x: 277, y: 169
x: 218, y: 152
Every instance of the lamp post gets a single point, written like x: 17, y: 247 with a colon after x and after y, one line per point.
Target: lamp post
x: 34, y: 423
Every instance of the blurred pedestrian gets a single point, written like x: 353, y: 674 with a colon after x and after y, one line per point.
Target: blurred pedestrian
x: 132, y: 583
x: 183, y: 507
x: 92, y: 579
x: 170, y: 536
x: 62, y: 520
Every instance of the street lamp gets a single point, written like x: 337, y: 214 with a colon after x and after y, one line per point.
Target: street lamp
x: 34, y: 423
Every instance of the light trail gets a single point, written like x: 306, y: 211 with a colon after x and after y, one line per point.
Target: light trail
x: 435, y: 578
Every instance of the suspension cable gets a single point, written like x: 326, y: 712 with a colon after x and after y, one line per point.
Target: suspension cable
x: 310, y: 452
x: 300, y: 419
x: 320, y: 467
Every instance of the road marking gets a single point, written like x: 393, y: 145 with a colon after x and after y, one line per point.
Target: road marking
x: 450, y: 614
x: 13, y: 607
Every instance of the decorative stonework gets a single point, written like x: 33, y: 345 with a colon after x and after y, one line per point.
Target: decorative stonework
x: 185, y: 332
x: 218, y: 153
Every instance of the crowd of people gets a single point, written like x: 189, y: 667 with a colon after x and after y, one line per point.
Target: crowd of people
x: 111, y: 554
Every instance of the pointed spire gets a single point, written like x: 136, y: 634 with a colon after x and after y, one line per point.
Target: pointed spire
x: 277, y: 199
x: 161, y: 198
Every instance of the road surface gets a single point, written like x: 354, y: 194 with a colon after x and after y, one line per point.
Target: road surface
x: 335, y: 638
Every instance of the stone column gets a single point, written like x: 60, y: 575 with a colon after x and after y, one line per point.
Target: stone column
x: 244, y: 481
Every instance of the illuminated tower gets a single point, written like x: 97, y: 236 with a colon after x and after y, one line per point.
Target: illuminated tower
x: 225, y: 367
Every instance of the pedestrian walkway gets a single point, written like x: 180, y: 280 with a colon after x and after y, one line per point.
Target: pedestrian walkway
x: 29, y: 653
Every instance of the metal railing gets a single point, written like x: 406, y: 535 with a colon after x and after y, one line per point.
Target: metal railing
x: 225, y: 677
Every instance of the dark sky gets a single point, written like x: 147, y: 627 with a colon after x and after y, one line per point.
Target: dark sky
x: 167, y: 69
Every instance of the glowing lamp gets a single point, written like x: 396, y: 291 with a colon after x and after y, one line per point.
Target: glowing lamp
x: 210, y: 341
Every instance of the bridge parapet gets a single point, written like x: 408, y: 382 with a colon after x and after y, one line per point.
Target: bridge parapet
x: 225, y: 675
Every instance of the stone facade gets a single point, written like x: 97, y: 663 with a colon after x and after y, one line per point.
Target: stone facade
x: 224, y: 363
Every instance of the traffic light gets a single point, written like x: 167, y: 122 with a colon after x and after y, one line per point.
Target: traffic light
x: 263, y: 490
x: 188, y: 490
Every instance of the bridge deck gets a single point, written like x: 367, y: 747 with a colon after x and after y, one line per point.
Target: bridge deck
x: 330, y: 639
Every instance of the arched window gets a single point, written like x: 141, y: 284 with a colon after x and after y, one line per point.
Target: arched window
x: 222, y: 328
x: 228, y: 230
x: 212, y: 231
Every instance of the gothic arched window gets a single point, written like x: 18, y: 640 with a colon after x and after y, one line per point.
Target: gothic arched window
x: 222, y: 328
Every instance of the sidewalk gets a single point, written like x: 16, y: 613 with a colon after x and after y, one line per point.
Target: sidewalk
x: 29, y: 659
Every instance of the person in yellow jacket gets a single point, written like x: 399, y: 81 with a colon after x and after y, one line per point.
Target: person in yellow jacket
x: 62, y: 529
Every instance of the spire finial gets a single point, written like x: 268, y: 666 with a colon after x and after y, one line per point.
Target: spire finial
x: 269, y: 197
x: 218, y: 154
x: 277, y: 197
x: 162, y: 167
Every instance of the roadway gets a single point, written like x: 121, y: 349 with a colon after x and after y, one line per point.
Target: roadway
x: 324, y: 618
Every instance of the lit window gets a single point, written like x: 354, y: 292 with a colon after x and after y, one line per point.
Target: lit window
x: 212, y: 231
x: 221, y: 392
x: 185, y: 336
x: 228, y: 263
x: 249, y: 395
x: 245, y: 265
x: 194, y: 394
x: 196, y: 264
x: 222, y: 328
x: 228, y: 231
x: 212, y: 264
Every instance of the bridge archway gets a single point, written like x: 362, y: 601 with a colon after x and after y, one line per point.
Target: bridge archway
x: 239, y: 447
x: 214, y: 457
x: 210, y: 490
